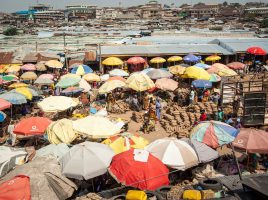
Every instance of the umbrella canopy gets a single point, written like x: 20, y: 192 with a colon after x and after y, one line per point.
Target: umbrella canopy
x: 252, y: 140
x: 196, y: 73
x: 125, y: 141
x: 140, y: 82
x: 96, y: 127
x: 84, y: 85
x: 118, y: 72
x: 136, y: 60
x: 9, y: 77
x: 41, y: 66
x: 159, y: 73
x: 202, y: 65
x: 236, y: 65
x: 14, y: 98
x: 43, y: 81
x: 144, y: 171
x: 91, y: 77
x: 75, y: 65
x: 214, y: 78
x: 112, y: 61
x: 110, y: 86
x: 4, y: 104
x: 177, y: 69
x: 56, y: 150
x: 56, y: 103
x: 166, y: 84
x: 202, y: 84
x: 214, y: 133
x: 2, y: 116
x: 72, y: 90
x: 28, y: 76
x: 24, y: 91
x: 54, y: 64
x: 81, y: 70
x: 220, y: 66
x: 191, y: 58
x: 157, y: 60
x: 213, y: 58
x: 86, y: 160
x: 119, y: 78
x: 13, y: 69
x: 69, y: 75
x: 68, y: 82
x: 104, y: 77
x: 49, y: 76
x: 174, y: 153
x: 227, y: 72
x: 145, y: 71
x: 256, y: 51
x: 28, y: 67
x: 32, y: 126
x: 174, y: 59
x: 18, y: 85
x: 61, y: 131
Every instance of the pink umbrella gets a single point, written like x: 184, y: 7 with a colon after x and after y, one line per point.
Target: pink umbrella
x: 28, y: 67
x: 4, y: 104
x: 166, y: 84
x: 236, y: 65
x: 49, y: 76
x: 136, y: 61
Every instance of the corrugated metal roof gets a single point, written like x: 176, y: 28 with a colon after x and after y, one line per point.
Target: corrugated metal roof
x: 148, y: 50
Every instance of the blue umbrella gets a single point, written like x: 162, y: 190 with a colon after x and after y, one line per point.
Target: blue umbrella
x: 202, y: 65
x: 14, y: 97
x: 202, y: 84
x: 191, y: 58
x: 2, y: 116
x: 86, y: 68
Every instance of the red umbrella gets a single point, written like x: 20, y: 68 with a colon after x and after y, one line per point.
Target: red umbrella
x: 236, y: 65
x: 136, y: 61
x: 252, y: 140
x: 4, y: 104
x: 256, y: 51
x: 32, y: 126
x: 16, y: 188
x: 139, y: 168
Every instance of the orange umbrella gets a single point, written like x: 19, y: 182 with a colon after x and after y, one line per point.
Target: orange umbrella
x: 117, y: 78
x: 136, y: 60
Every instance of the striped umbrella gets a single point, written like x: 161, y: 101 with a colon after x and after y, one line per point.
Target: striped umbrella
x: 81, y: 70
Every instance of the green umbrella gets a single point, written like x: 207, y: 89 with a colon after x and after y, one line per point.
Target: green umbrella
x: 68, y: 82
x: 8, y: 78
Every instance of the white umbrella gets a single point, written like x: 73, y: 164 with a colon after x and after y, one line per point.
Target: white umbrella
x: 86, y: 160
x: 56, y: 104
x: 56, y: 150
x: 84, y: 84
x: 118, y: 72
x: 174, y: 153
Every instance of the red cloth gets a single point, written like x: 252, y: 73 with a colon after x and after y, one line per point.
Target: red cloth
x: 17, y: 188
x: 203, y: 117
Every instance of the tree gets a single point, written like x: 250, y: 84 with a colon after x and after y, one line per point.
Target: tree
x: 225, y: 3
x: 10, y: 31
x: 264, y: 23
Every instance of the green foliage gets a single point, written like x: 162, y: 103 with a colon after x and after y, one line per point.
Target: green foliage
x: 264, y: 23
x: 10, y: 31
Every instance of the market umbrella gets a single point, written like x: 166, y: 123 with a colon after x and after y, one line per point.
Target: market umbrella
x: 91, y: 77
x: 174, y: 59
x: 236, y: 65
x: 68, y: 81
x: 2, y: 116
x: 43, y: 81
x: 202, y: 65
x: 84, y: 85
x: 24, y: 91
x: 32, y: 126
x: 166, y: 84
x: 56, y: 150
x: 159, y: 73
x: 54, y: 64
x: 177, y: 69
x: 139, y: 169
x: 4, y: 104
x: 196, y: 73
x: 157, y: 60
x: 18, y: 85
x: 110, y: 86
x: 35, y: 90
x: 81, y: 70
x: 136, y: 60
x: 252, y: 140
x: 61, y: 131
x: 118, y: 72
x: 174, y: 153
x: 86, y: 160
x: 70, y: 75
x: 214, y: 133
x: 14, y: 98
x: 72, y: 90
x: 214, y: 78
x: 119, y: 78
x: 13, y: 69
x: 96, y: 127
x: 9, y: 77
x: 202, y: 84
x: 140, y: 82
x: 212, y: 58
x: 28, y: 76
x: 56, y: 103
x: 191, y: 58
x: 104, y: 77
x: 3, y: 68
x: 112, y: 61
x: 75, y: 65
x: 41, y: 66
x: 49, y: 76
x: 256, y: 51
x: 145, y: 71
x: 227, y: 72
x: 125, y: 141
x: 220, y: 66
x: 28, y: 67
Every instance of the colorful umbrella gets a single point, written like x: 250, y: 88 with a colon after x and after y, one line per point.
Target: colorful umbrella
x: 174, y: 59
x: 202, y: 84
x: 104, y: 77
x: 166, y: 84
x: 110, y: 86
x: 75, y: 65
x: 227, y: 72
x: 2, y: 116
x: 55, y: 150
x: 236, y: 65
x: 13, y: 69
x: 214, y: 78
x: 145, y: 71
x: 202, y: 65
x: 157, y: 60
x: 177, y: 69
x: 10, y: 77
x: 112, y: 61
x: 118, y: 72
x: 213, y: 58
x: 24, y: 91
x: 56, y: 104
x: 144, y: 171
x: 252, y: 140
x: 4, y: 104
x: 81, y: 70
x: 191, y: 58
x: 28, y: 76
x: 140, y: 82
x: 18, y: 85
x: 136, y: 61
x: 68, y: 82
x: 69, y: 75
x: 54, y: 64
x: 256, y: 51
x: 91, y: 77
x: 125, y: 141
x: 174, y: 153
x: 3, y: 68
x: 119, y: 78
x: 28, y: 67
x: 43, y: 81
x: 14, y: 98
x: 214, y: 133
x: 32, y: 126
x: 72, y: 90
x: 196, y: 73
x: 41, y: 66
x: 159, y: 73
x: 49, y: 76
x: 84, y: 85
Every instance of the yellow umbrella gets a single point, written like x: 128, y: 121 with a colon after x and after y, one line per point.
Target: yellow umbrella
x: 111, y: 85
x: 196, y: 73
x: 3, y: 68
x: 29, y: 76
x: 18, y: 85
x: 227, y: 72
x: 140, y: 82
x: 174, y: 59
x: 13, y: 68
x: 125, y: 141
x: 112, y: 61
x: 213, y: 58
x: 54, y: 64
x: 177, y: 70
x: 157, y: 60
x: 25, y: 92
x: 91, y: 77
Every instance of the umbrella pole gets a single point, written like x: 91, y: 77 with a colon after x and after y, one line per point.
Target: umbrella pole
x: 236, y: 162
x: 92, y: 181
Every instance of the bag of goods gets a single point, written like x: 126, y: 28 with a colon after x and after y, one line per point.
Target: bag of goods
x: 192, y: 195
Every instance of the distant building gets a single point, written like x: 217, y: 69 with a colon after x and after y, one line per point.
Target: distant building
x: 202, y: 10
x: 40, y: 7
x: 262, y: 11
x: 151, y: 10
x: 81, y: 11
x: 49, y: 15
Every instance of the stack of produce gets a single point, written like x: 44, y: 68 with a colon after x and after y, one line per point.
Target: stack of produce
x: 138, y: 117
x: 209, y: 107
x: 120, y: 107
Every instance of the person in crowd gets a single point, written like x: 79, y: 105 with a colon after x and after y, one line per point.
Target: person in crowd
x: 215, y: 98
x: 150, y: 120
x: 220, y: 114
x: 135, y: 103
x: 146, y: 102
x: 158, y: 108
x: 110, y: 101
x: 229, y: 120
x: 203, y: 116
x: 236, y: 103
x: 206, y: 95
x: 191, y: 96
x: 12, y: 136
x: 238, y: 124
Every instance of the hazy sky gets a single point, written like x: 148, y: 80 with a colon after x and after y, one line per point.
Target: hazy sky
x: 15, y: 5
